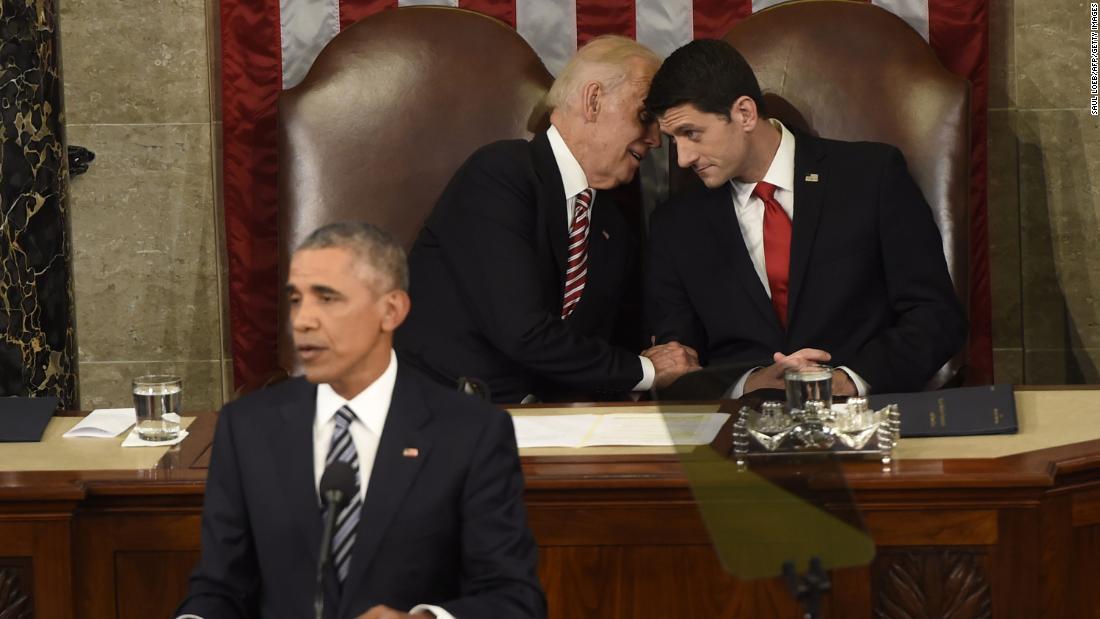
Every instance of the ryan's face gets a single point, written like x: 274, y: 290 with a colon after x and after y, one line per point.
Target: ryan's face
x: 715, y: 147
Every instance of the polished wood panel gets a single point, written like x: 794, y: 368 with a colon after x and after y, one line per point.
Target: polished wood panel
x: 620, y: 537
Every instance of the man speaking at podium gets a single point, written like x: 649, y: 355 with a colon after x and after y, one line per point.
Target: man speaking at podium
x: 434, y: 522
x: 800, y: 249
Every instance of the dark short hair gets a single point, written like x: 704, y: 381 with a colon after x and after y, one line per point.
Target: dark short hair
x: 710, y: 74
x: 375, y: 250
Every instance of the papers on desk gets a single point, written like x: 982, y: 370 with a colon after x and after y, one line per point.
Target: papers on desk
x: 618, y: 429
x: 103, y: 423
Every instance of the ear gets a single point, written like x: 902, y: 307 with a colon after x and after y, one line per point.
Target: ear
x: 395, y: 308
x: 743, y: 113
x: 590, y: 101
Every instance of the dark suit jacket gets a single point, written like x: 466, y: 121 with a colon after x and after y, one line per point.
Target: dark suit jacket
x: 868, y: 278
x: 487, y: 279
x: 448, y: 527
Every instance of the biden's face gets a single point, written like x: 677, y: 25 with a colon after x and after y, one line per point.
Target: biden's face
x: 623, y: 133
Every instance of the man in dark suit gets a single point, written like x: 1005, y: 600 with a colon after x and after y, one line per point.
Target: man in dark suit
x: 436, y: 525
x: 800, y: 250
x: 520, y: 271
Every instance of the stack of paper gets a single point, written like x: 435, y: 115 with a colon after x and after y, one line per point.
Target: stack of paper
x: 618, y: 429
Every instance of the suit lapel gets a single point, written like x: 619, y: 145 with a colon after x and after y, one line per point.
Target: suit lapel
x: 723, y: 219
x: 552, y: 200
x: 808, y: 203
x: 294, y: 455
x: 393, y: 474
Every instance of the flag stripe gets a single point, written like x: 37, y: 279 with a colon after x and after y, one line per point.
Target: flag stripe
x: 550, y: 28
x: 504, y: 10
x: 959, y: 34
x: 596, y: 17
x: 663, y: 25
x: 251, y: 80
x: 351, y: 12
x: 714, y: 18
x: 305, y: 27
x: 914, y: 12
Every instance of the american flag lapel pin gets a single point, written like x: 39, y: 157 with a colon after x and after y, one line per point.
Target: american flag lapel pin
x: 411, y: 452
x: 811, y: 178
x: 606, y: 236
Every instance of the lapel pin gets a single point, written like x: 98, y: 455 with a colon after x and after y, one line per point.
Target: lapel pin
x: 411, y: 452
x: 811, y: 178
x: 606, y: 236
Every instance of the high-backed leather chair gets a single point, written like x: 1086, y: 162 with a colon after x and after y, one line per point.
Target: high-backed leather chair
x: 854, y: 71
x: 389, y: 110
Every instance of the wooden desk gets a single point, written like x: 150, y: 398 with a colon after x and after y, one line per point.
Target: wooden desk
x: 620, y: 536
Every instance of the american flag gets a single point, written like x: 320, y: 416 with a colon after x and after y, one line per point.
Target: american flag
x: 269, y: 45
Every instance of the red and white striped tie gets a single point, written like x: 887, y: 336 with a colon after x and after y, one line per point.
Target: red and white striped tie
x: 576, y: 270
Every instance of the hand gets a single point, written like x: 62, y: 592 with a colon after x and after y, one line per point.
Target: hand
x: 671, y: 361
x: 842, y: 383
x: 385, y: 612
x: 771, y: 377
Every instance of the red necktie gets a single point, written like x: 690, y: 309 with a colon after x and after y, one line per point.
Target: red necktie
x: 576, y: 270
x: 777, y: 247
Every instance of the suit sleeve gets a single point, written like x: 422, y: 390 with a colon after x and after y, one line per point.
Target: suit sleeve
x: 670, y: 316
x: 487, y: 233
x: 930, y: 325
x: 225, y: 583
x: 499, y: 554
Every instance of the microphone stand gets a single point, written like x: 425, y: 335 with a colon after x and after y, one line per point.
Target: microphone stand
x: 333, y: 499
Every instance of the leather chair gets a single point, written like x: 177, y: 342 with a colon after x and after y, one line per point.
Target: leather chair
x: 854, y: 71
x: 389, y: 110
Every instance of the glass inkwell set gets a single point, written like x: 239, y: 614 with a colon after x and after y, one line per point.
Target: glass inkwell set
x: 810, y: 422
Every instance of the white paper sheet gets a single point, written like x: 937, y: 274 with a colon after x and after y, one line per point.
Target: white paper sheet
x: 618, y: 429
x: 103, y: 423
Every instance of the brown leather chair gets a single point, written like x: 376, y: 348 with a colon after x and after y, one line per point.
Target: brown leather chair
x: 389, y: 110
x: 854, y: 71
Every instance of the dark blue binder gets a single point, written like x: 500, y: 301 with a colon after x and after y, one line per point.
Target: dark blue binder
x: 23, y: 420
x: 966, y: 411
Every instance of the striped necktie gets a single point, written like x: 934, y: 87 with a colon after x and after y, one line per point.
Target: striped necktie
x: 347, y: 521
x: 576, y: 271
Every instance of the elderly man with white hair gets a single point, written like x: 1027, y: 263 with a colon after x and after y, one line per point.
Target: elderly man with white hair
x: 520, y: 271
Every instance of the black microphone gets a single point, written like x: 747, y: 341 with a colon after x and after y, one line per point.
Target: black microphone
x: 337, y: 487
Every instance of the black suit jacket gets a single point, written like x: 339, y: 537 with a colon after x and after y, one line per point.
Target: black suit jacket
x: 868, y: 278
x: 487, y: 279
x: 447, y: 527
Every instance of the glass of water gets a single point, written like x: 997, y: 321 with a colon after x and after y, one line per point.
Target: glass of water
x: 157, y: 401
x: 809, y: 383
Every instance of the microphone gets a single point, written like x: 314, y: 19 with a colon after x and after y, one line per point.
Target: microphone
x: 337, y: 487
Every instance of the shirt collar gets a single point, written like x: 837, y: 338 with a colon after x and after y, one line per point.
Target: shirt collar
x: 780, y: 173
x: 573, y: 179
x: 370, y: 406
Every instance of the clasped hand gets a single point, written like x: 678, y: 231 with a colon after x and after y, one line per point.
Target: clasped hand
x: 671, y: 361
x: 771, y: 377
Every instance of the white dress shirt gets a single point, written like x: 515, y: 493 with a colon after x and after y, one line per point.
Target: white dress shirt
x: 574, y: 181
x: 370, y: 406
x: 750, y: 218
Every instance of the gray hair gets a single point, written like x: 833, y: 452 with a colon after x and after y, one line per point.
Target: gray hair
x: 376, y: 251
x: 605, y: 59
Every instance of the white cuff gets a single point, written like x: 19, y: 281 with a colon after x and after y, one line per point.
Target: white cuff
x: 738, y: 388
x: 435, y: 610
x: 648, y: 374
x: 861, y: 385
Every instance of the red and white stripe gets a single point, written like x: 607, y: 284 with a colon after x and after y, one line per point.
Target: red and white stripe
x: 268, y: 45
x: 576, y: 269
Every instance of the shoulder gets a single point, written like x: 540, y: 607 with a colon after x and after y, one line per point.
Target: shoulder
x: 454, y: 411
x: 861, y: 153
x: 268, y: 399
x: 504, y: 156
x: 683, y: 209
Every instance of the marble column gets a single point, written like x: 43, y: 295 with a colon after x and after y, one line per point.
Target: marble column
x: 37, y: 349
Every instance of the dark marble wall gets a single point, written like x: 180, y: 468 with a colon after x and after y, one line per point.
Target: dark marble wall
x: 36, y: 310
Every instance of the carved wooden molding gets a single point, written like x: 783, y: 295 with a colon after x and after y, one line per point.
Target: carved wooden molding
x: 14, y: 599
x: 940, y: 584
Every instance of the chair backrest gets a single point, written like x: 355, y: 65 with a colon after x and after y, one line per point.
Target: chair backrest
x: 854, y: 71
x: 389, y: 110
